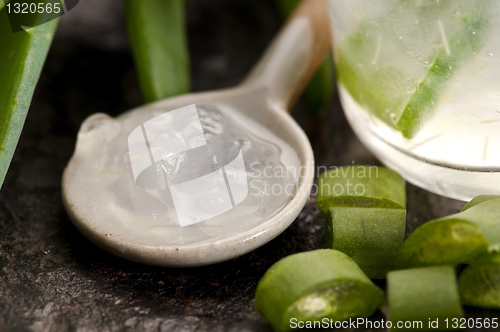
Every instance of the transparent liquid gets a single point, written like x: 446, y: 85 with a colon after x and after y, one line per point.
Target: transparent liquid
x: 143, y: 213
x: 454, y: 152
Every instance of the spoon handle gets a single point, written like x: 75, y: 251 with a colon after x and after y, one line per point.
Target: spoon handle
x: 294, y: 54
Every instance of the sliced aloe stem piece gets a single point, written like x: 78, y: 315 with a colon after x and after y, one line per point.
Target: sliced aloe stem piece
x: 366, y: 217
x: 157, y: 34
x: 479, y: 283
x: 315, y: 285
x: 318, y: 91
x: 478, y: 200
x: 423, y: 295
x: 399, y: 64
x: 360, y: 186
x: 454, y: 239
x: 22, y: 55
x: 370, y: 236
x: 439, y: 242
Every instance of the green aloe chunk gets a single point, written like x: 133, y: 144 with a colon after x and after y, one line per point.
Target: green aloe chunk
x: 423, y: 294
x: 479, y: 199
x: 157, y: 35
x: 319, y: 89
x: 442, y: 242
x: 360, y: 186
x: 479, y: 283
x: 22, y: 55
x: 454, y: 239
x: 364, y: 207
x: 398, y: 65
x: 370, y: 236
x: 315, y: 285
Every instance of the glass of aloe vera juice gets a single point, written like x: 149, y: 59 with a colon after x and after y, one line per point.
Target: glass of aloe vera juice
x: 419, y: 81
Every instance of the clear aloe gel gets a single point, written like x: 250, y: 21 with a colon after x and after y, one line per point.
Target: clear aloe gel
x: 183, y: 176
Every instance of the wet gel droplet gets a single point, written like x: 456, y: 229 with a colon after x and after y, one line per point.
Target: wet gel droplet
x: 473, y: 32
x: 393, y: 117
x: 498, y: 111
x: 491, y: 54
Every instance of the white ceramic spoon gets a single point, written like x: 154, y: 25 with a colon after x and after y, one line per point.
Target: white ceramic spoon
x: 265, y: 96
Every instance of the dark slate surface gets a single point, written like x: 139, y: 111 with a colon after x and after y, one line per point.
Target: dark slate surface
x: 54, y: 279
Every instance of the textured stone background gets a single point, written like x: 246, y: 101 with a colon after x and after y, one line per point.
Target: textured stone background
x: 54, y: 279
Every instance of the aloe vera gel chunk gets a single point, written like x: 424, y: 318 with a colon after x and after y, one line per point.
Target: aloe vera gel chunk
x: 428, y: 295
x: 366, y: 216
x: 479, y: 283
x: 314, y: 285
x: 458, y: 238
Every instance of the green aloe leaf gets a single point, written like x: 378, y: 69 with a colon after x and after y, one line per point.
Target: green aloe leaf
x: 157, y: 34
x: 22, y: 55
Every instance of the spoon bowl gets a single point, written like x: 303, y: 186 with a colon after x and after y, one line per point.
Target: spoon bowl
x: 263, y: 98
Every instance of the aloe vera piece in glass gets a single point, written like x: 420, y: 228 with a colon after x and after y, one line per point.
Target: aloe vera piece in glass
x: 157, y: 35
x: 402, y: 89
x: 458, y: 238
x: 423, y: 294
x: 315, y: 285
x: 414, y: 77
x: 479, y: 283
x: 22, y: 55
